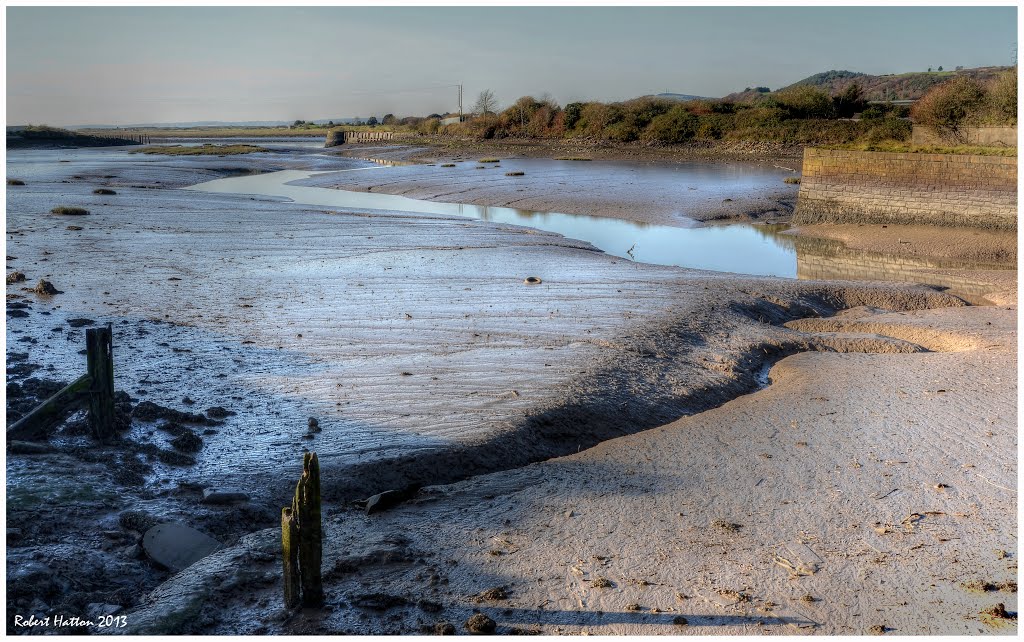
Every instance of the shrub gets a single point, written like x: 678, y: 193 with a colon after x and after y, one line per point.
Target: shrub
x: 572, y: 112
x: 888, y: 129
x: 1002, y: 99
x: 947, y: 107
x: 805, y: 101
x: 676, y: 126
x: 69, y: 211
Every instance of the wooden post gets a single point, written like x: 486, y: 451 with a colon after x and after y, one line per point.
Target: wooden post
x: 290, y: 550
x: 100, y: 355
x: 302, y: 540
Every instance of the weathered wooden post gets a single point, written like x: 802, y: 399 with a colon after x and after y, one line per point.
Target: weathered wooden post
x: 100, y: 356
x: 302, y: 539
x: 290, y: 553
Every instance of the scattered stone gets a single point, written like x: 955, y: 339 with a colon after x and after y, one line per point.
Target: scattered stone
x: 45, y: 287
x: 80, y: 323
x: 74, y: 228
x: 222, y: 496
x: 149, y: 411
x: 480, y: 624
x: 633, y: 607
x: 15, y: 277
x: 532, y: 280
x: 428, y: 606
x: 679, y: 620
x: 218, y: 412
x: 444, y: 628
x: 28, y: 448
x: 876, y: 629
x: 808, y: 598
x: 602, y: 582
x: 188, y: 442
x: 314, y: 425
x: 491, y: 594
x: 379, y: 601
x: 515, y: 173
x: 177, y: 546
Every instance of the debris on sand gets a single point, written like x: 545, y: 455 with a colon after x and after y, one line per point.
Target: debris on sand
x: 45, y: 287
x: 876, y: 629
x: 997, y: 612
x: 492, y: 594
x: 727, y: 526
x: 602, y: 582
x: 480, y: 624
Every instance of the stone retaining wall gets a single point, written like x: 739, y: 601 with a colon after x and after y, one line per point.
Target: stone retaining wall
x: 840, y: 186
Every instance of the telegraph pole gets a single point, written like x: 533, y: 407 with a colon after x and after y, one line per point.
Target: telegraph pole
x: 460, y: 102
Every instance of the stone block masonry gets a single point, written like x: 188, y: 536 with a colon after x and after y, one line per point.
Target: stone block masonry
x: 842, y: 186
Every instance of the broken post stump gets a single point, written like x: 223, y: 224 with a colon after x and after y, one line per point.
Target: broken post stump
x: 99, y: 347
x: 302, y: 539
x: 93, y: 390
x: 290, y: 553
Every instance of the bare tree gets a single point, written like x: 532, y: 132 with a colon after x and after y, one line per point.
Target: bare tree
x: 486, y: 103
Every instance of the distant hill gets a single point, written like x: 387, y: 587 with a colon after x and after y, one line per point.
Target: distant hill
x: 679, y: 97
x: 908, y: 86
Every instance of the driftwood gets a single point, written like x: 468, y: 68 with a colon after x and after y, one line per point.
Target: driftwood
x: 94, y: 391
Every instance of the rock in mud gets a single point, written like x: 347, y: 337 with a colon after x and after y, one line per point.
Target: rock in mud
x: 133, y: 520
x: 480, y: 624
x: 223, y: 496
x: 444, y: 628
x: 218, y: 412
x: 174, y: 458
x: 149, y: 411
x: 314, y: 425
x: 28, y: 448
x: 188, y: 442
x: 385, y: 500
x: 15, y: 277
x: 45, y: 287
x: 177, y: 546
x: 492, y: 594
x: 80, y: 322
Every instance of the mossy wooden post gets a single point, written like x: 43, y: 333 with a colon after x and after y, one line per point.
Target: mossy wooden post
x: 290, y: 550
x: 302, y: 540
x: 100, y: 356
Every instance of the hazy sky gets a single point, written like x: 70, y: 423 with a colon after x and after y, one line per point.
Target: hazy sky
x: 72, y: 66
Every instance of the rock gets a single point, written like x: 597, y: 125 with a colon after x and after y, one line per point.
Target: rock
x: 133, y: 520
x: 45, y: 287
x: 385, y: 500
x: 188, y: 441
x: 28, y: 448
x: 429, y: 606
x: 480, y: 624
x: 679, y: 620
x: 444, y: 628
x: 95, y: 610
x: 223, y: 496
x: 314, y: 425
x: 80, y: 322
x: 177, y: 546
x: 218, y: 412
x: 15, y: 277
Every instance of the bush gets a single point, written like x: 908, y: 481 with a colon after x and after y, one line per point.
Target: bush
x: 949, y: 106
x: 888, y: 129
x: 805, y: 101
x: 1002, y: 100
x: 676, y: 126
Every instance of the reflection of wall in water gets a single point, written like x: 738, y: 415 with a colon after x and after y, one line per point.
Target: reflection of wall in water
x: 823, y: 259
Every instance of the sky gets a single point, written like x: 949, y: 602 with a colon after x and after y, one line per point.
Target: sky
x: 73, y: 66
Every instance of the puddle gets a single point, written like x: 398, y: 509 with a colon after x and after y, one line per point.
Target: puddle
x: 740, y: 248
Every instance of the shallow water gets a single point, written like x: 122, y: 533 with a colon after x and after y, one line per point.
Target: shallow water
x: 741, y: 248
